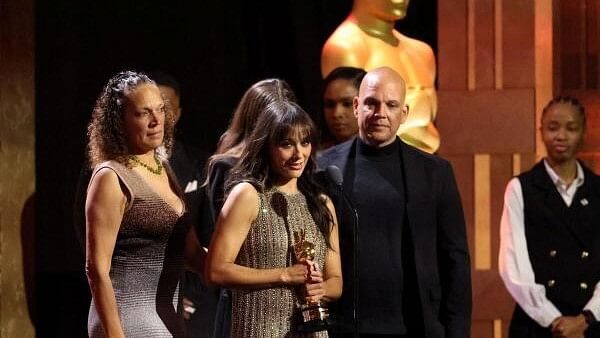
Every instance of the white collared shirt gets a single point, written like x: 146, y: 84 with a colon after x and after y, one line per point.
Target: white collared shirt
x: 567, y: 192
x: 513, y: 261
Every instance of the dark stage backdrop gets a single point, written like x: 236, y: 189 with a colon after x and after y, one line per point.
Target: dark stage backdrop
x: 216, y: 49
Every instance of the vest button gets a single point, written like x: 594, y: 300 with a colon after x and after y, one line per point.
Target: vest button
x: 551, y: 283
x: 584, y: 254
x: 552, y: 253
x: 583, y: 286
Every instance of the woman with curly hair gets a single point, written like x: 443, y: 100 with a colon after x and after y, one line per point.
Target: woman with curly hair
x: 274, y: 207
x: 136, y: 219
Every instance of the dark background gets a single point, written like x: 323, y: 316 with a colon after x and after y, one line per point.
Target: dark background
x: 215, y: 49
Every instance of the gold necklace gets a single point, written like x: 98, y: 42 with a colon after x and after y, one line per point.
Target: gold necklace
x: 156, y: 171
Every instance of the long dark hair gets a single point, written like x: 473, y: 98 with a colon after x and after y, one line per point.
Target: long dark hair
x: 253, y: 102
x: 276, y: 123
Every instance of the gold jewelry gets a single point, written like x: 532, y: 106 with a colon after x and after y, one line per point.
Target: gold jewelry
x: 156, y: 171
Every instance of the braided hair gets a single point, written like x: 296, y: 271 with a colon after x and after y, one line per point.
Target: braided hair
x: 566, y: 100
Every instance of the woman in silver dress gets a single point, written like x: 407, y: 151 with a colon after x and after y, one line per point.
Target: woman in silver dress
x: 136, y: 220
x: 272, y: 204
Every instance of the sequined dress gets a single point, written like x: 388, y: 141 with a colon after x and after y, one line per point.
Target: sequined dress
x: 147, y: 261
x: 269, y: 312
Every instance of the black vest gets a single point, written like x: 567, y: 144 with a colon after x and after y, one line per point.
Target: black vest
x: 563, y: 242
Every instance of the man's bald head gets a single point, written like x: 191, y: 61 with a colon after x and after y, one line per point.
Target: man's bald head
x: 380, y: 107
x: 386, y: 75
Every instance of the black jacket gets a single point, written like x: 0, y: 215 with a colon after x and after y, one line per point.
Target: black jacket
x: 437, y: 228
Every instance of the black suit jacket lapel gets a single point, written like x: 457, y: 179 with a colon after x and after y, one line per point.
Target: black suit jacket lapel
x: 585, y: 202
x: 583, y: 224
x: 339, y: 156
x: 415, y: 183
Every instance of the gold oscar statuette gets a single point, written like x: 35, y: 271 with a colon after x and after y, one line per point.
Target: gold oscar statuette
x: 312, y: 316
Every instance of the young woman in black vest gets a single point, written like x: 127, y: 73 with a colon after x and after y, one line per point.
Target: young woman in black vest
x: 550, y: 234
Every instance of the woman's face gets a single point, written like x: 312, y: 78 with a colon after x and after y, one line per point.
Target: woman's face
x: 144, y: 118
x: 562, y: 132
x: 289, y: 156
x: 338, y: 109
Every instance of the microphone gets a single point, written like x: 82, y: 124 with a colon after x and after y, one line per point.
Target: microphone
x: 335, y: 175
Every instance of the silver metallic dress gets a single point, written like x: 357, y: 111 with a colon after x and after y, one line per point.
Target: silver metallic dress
x: 269, y: 312
x: 147, y: 261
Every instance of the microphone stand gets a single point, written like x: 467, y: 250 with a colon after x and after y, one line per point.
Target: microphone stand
x: 355, y: 259
x: 335, y: 176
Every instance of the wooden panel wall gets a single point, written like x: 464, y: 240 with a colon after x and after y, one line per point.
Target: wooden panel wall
x: 495, y: 64
x: 17, y: 165
x: 578, y: 65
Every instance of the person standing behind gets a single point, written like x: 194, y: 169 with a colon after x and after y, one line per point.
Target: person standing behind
x: 549, y: 255
x: 410, y: 222
x: 339, y: 89
x: 187, y: 161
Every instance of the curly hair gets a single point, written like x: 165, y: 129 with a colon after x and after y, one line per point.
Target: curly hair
x: 277, y: 121
x: 106, y: 131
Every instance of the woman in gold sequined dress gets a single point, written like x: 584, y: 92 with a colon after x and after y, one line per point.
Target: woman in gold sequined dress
x: 271, y: 197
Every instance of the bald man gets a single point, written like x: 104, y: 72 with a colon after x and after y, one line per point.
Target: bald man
x: 414, y: 277
x: 367, y: 40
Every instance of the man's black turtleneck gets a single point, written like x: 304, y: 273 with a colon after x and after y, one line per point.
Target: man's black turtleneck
x: 378, y: 181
